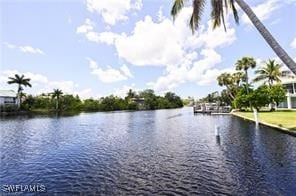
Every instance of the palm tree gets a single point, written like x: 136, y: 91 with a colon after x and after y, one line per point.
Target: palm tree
x: 231, y: 82
x: 225, y: 79
x: 217, y: 15
x: 270, y: 72
x: 131, y: 94
x: 238, y: 77
x: 20, y: 81
x: 243, y: 65
x: 56, y: 94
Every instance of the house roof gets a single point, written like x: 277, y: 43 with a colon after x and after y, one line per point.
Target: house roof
x: 288, y: 80
x: 7, y: 93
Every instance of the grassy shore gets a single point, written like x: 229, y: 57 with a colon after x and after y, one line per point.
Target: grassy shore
x: 285, y: 119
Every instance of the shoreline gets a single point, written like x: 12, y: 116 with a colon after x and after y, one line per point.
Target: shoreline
x: 73, y: 112
x: 278, y: 128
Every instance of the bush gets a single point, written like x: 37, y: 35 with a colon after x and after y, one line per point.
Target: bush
x: 277, y: 93
x: 8, y: 108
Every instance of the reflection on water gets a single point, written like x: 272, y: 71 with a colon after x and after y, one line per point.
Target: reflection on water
x: 147, y: 152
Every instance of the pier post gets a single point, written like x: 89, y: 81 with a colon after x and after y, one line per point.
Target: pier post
x: 217, y: 131
x: 256, y: 116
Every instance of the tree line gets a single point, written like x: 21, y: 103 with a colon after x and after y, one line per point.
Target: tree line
x: 58, y: 101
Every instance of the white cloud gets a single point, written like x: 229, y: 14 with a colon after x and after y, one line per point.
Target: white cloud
x: 87, y: 29
x: 113, y: 11
x: 126, y: 71
x: 264, y: 10
x: 151, y: 44
x: 25, y: 49
x: 293, y: 44
x: 171, y: 45
x: 110, y: 74
x: 122, y: 92
x: 29, y: 49
x: 214, y: 38
x: 201, y: 72
x: 35, y: 78
x: 160, y: 16
x: 166, y: 43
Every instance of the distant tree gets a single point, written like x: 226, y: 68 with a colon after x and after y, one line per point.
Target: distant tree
x: 173, y: 100
x: 131, y: 94
x: 20, y: 81
x: 71, y: 103
x: 211, y: 97
x: 57, y: 93
x: 150, y: 99
x: 29, y: 102
x: 91, y: 105
x: 224, y: 98
x: 43, y: 102
x: 112, y: 103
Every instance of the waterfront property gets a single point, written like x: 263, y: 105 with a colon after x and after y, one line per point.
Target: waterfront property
x: 290, y: 102
x: 281, y: 119
x: 8, y: 98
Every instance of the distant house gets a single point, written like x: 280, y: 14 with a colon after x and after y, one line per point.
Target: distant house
x: 140, y: 101
x: 290, y: 87
x: 8, y: 97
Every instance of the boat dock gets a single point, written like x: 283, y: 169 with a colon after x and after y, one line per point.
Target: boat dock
x: 211, y: 108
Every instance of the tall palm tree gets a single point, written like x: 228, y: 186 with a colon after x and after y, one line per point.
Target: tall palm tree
x: 217, y: 15
x: 227, y: 80
x: 270, y: 72
x: 20, y: 81
x: 243, y: 65
x: 57, y: 94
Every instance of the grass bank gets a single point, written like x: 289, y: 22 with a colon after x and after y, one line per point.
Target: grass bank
x: 283, y: 119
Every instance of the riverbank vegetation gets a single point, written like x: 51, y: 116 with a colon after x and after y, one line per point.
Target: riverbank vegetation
x: 57, y: 101
x: 285, y: 119
x: 244, y: 93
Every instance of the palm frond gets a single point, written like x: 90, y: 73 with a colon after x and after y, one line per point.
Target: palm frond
x: 177, y: 7
x: 234, y: 11
x: 260, y: 78
x: 217, y: 13
x: 198, y: 7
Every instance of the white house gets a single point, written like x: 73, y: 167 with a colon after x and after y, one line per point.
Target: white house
x: 8, y: 97
x: 290, y: 87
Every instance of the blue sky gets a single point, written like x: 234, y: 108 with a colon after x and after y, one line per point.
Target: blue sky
x: 95, y: 48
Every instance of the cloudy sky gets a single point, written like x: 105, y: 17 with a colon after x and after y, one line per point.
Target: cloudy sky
x: 96, y: 48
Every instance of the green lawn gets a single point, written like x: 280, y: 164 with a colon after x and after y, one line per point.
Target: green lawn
x: 286, y: 119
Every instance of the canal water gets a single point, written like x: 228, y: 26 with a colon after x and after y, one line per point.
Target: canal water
x: 163, y: 152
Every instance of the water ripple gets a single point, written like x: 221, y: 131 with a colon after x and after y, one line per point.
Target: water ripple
x: 166, y: 152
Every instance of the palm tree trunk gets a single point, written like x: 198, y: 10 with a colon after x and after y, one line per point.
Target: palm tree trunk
x: 230, y: 93
x: 247, y: 81
x: 281, y: 53
x: 57, y: 103
x: 19, y: 97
